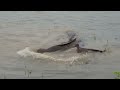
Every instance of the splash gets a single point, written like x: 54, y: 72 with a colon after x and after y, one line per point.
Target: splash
x: 28, y: 52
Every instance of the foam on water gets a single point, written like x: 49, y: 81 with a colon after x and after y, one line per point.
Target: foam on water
x: 28, y: 52
x: 45, y: 29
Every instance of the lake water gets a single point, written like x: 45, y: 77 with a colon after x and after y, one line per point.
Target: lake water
x: 20, y: 29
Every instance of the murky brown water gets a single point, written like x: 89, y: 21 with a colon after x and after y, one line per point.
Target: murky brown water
x: 40, y: 29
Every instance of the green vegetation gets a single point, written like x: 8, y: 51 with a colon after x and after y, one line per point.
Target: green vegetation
x: 117, y: 75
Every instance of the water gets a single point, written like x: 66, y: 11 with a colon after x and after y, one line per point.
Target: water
x: 20, y: 29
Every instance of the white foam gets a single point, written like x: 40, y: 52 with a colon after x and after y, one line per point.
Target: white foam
x: 29, y: 52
